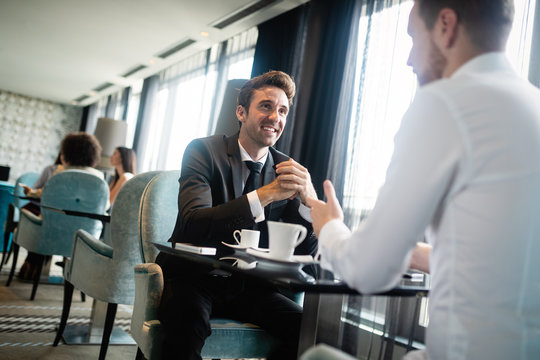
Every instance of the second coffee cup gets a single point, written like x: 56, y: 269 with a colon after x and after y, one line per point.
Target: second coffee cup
x: 247, y: 238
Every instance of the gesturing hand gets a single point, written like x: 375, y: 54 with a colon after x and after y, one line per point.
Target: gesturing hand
x: 295, y: 177
x: 322, y: 212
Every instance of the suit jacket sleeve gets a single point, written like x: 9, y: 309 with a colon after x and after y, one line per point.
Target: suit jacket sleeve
x: 208, y: 213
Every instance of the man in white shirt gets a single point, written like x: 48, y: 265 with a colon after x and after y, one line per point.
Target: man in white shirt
x: 466, y: 170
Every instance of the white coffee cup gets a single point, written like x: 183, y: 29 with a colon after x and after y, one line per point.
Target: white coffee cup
x: 283, y: 238
x: 247, y: 238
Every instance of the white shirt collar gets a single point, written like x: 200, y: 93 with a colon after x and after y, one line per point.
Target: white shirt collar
x: 486, y: 62
x: 245, y: 156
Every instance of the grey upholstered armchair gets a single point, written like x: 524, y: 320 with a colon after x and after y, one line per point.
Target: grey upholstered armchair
x: 102, y: 271
x: 229, y: 339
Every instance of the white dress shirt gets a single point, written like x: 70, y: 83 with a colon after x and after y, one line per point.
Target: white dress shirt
x: 466, y: 167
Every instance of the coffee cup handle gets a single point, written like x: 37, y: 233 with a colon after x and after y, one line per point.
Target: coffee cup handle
x: 237, y: 232
x: 302, y: 236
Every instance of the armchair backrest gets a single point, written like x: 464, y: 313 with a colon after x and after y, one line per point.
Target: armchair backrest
x: 124, y: 226
x: 70, y: 190
x: 158, y: 211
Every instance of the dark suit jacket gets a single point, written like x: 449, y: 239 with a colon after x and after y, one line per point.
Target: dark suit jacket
x: 210, y: 202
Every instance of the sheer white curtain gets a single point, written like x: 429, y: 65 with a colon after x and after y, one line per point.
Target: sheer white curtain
x: 384, y: 88
x: 189, y: 96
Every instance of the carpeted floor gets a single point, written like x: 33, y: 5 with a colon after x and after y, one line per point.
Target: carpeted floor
x: 28, y: 328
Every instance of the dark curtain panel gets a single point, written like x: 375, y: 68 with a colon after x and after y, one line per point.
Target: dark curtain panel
x: 326, y: 72
x: 148, y: 97
x: 84, y: 118
x: 280, y: 46
x: 126, y: 95
x: 110, y: 107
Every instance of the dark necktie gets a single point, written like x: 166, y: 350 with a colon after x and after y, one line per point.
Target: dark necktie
x: 252, y: 182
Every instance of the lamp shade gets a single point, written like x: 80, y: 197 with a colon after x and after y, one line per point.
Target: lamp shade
x: 111, y: 134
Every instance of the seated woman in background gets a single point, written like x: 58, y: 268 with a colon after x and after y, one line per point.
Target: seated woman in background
x: 78, y: 151
x: 45, y: 175
x: 123, y: 159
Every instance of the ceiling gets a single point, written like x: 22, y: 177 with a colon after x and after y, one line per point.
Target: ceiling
x: 76, y: 51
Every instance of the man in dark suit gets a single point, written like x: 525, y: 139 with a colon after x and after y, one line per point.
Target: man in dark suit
x: 222, y: 190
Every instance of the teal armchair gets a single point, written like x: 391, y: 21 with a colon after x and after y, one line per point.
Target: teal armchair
x: 104, y: 269
x: 52, y: 233
x: 229, y: 338
x: 13, y: 212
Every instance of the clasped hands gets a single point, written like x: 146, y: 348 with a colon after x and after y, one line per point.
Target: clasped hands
x: 292, y: 180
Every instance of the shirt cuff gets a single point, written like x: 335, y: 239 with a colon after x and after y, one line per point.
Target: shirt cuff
x: 305, y: 212
x: 333, y: 231
x: 255, y: 205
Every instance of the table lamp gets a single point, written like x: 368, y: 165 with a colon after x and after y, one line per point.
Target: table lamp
x: 111, y: 134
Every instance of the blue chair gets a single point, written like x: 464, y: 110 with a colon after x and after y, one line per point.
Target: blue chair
x: 105, y: 272
x: 229, y: 339
x: 52, y: 233
x: 13, y: 212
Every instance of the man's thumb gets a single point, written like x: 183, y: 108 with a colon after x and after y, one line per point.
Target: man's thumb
x: 330, y: 192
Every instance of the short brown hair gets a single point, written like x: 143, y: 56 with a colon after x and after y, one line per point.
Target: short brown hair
x: 81, y: 149
x: 488, y: 22
x: 278, y: 79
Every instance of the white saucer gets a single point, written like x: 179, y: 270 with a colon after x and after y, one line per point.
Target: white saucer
x: 241, y: 247
x: 296, y: 259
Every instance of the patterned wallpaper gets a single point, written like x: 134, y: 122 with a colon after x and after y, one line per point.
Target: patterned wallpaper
x: 31, y: 130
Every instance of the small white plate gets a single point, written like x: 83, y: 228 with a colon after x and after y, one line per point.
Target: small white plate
x: 296, y: 259
x: 241, y: 247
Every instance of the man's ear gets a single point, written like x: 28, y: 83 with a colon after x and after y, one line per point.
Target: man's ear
x: 241, y: 113
x: 447, y: 27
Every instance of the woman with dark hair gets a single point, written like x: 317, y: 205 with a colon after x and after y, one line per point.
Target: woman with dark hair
x: 79, y: 151
x: 124, y: 161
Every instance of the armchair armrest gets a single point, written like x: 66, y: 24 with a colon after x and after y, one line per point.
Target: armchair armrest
x: 30, y: 216
x: 145, y: 327
x: 97, y: 245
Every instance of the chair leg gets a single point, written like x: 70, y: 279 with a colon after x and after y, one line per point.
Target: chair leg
x: 140, y: 355
x: 109, y: 322
x: 68, y: 295
x: 7, y: 235
x: 13, y: 264
x: 37, y: 275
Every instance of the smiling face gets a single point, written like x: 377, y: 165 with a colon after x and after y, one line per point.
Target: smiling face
x: 264, y: 121
x: 425, y: 58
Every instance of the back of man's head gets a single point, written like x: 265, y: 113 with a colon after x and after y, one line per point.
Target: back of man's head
x: 487, y: 22
x: 278, y: 79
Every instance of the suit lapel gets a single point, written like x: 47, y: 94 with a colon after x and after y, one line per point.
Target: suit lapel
x: 233, y: 152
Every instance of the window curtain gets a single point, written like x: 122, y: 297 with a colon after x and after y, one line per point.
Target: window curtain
x: 280, y: 46
x: 331, y: 36
x: 182, y: 102
x: 534, y: 71
x: 148, y: 94
x: 383, y: 89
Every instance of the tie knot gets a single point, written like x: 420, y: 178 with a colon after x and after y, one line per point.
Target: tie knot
x: 254, y: 166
